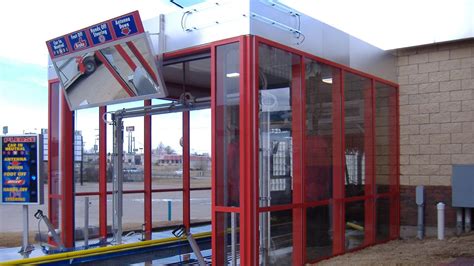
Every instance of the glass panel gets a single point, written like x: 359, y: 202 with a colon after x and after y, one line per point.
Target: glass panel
x: 276, y: 238
x: 227, y: 125
x: 201, y: 207
x: 383, y: 219
x: 188, y: 76
x: 80, y: 212
x: 318, y: 232
x: 385, y: 137
x: 200, y: 148
x: 167, y: 211
x: 86, y: 150
x: 356, y: 103
x: 167, y: 161
x: 319, y: 130
x: 355, y: 224
x: 228, y: 237
x: 275, y: 125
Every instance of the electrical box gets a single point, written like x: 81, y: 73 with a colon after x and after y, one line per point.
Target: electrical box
x: 463, y: 186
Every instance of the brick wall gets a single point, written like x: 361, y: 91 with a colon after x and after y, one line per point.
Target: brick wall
x: 436, y: 117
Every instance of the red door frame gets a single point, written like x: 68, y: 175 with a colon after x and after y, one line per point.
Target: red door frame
x: 54, y: 196
x: 66, y: 151
x: 102, y: 173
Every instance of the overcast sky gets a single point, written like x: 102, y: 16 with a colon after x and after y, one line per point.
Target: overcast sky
x: 27, y: 24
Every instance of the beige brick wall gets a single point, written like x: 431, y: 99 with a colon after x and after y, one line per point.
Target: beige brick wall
x: 436, y: 111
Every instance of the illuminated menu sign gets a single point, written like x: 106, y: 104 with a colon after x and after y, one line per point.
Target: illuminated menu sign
x: 20, y: 171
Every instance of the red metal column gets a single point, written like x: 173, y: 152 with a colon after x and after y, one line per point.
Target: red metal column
x: 53, y: 162
x: 216, y: 240
x: 147, y: 173
x: 248, y: 174
x: 338, y: 161
x: 186, y: 172
x: 298, y: 136
x: 67, y: 172
x: 102, y: 173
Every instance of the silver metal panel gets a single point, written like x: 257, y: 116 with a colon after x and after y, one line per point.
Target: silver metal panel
x: 204, y: 23
x: 463, y: 186
x: 322, y: 40
x: 217, y: 20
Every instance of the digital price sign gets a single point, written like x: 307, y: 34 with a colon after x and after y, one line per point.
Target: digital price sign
x: 20, y: 172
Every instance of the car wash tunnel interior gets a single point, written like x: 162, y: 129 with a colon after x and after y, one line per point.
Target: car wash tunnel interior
x: 303, y: 161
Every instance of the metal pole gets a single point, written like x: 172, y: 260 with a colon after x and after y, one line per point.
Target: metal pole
x: 118, y: 179
x: 169, y: 210
x: 467, y: 220
x: 25, y: 248
x: 196, y: 249
x: 233, y: 238
x: 459, y: 226
x: 86, y: 222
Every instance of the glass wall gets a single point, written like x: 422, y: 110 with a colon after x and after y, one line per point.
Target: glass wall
x: 357, y: 128
x: 343, y: 126
x: 321, y: 81
x: 275, y: 125
x: 227, y: 125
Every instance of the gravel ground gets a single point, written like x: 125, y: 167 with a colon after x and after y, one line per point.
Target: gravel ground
x: 431, y: 251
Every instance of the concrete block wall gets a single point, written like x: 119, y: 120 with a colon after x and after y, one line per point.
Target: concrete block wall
x: 436, y: 111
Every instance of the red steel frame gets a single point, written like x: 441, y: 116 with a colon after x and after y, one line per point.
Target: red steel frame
x: 299, y: 206
x: 248, y: 208
x: 66, y: 151
x: 102, y: 173
x: 54, y: 196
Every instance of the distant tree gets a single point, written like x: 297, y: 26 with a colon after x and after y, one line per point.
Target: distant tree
x: 169, y: 150
x: 160, y: 149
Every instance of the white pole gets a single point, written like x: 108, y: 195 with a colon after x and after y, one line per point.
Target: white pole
x: 440, y: 207
x: 25, y: 232
x: 467, y: 220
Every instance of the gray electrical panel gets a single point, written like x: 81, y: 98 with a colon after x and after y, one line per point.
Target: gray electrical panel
x: 463, y: 186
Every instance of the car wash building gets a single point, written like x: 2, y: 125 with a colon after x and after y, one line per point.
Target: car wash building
x: 316, y: 149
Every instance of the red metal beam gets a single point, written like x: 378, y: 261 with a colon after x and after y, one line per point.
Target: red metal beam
x: 217, y: 240
x: 54, y: 198
x: 186, y: 171
x: 147, y: 173
x: 114, y: 73
x: 248, y: 177
x: 102, y: 173
x: 338, y: 161
x: 142, y: 60
x: 67, y: 172
x: 297, y: 102
x: 125, y: 57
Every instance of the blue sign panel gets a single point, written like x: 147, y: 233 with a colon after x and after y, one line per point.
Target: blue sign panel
x: 78, y: 40
x: 58, y: 46
x: 124, y: 26
x: 100, y: 33
x: 20, y: 170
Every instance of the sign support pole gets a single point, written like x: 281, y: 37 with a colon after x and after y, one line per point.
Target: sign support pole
x: 26, y: 248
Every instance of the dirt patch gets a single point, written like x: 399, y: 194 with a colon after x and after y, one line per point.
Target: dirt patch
x: 430, y: 251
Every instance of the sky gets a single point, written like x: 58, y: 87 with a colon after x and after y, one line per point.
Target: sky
x: 28, y: 24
